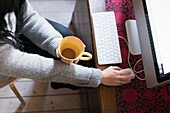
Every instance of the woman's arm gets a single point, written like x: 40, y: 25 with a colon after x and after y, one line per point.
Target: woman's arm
x: 15, y: 63
x: 38, y: 30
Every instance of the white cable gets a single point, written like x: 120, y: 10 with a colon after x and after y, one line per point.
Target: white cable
x: 135, y: 63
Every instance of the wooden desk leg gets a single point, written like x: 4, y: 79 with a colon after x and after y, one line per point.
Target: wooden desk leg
x: 108, y: 99
x: 12, y: 86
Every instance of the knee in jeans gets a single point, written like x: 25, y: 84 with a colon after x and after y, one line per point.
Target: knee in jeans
x: 69, y: 33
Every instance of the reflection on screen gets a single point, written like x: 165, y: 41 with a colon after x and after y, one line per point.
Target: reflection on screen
x: 159, y: 22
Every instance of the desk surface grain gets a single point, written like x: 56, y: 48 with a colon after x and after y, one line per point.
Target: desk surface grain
x: 107, y: 95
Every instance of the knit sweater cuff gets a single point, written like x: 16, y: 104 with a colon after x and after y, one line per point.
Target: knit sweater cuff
x: 95, y: 78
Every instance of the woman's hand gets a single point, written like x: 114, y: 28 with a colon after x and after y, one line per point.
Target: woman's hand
x: 113, y: 76
x: 58, y: 56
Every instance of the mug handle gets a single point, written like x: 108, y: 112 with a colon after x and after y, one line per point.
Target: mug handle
x: 89, y: 56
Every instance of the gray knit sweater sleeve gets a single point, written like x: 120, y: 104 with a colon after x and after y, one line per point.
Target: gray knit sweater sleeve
x: 38, y: 30
x: 15, y: 63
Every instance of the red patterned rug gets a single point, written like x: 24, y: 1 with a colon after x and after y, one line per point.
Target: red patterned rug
x: 135, y: 97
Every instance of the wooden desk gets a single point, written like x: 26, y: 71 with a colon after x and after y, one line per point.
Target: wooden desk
x: 102, y: 99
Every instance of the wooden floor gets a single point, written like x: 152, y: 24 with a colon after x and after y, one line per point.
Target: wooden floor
x: 39, y: 96
x: 56, y: 10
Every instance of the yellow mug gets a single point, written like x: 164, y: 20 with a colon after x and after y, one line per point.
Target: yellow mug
x: 72, y: 48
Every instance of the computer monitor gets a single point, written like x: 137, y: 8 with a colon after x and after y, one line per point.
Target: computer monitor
x: 153, y: 24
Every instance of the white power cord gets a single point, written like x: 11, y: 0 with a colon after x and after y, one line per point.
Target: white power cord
x: 135, y: 63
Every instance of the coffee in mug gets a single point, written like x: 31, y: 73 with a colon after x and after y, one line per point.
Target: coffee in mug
x: 72, y: 48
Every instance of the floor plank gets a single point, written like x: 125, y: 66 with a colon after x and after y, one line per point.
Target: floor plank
x: 40, y: 97
x: 57, y: 10
x: 47, y: 103
x: 37, y: 89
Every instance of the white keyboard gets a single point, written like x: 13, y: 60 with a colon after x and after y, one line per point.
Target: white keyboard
x: 106, y: 38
